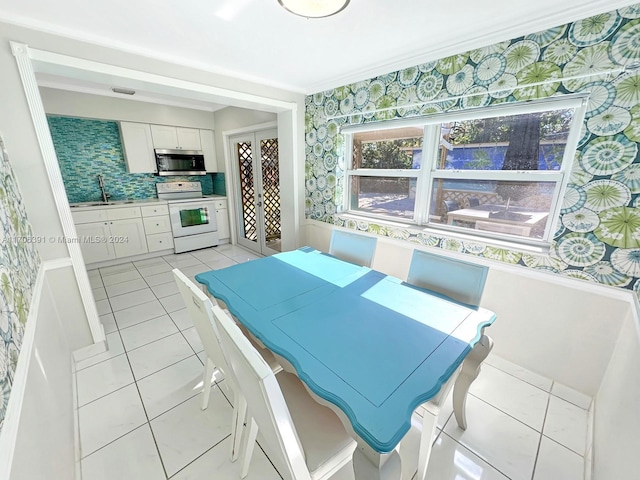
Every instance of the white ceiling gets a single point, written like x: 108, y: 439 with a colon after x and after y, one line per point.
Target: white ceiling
x: 260, y: 41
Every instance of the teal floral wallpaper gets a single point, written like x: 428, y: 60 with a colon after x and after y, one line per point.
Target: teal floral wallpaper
x: 599, y: 235
x: 19, y: 262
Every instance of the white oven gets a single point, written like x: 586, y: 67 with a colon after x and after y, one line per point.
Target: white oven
x: 193, y: 220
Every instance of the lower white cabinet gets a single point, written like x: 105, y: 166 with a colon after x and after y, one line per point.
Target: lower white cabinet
x: 222, y: 218
x: 157, y: 227
x: 118, y: 233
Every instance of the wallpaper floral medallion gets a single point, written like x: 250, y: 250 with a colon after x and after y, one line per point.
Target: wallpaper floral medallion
x: 598, y: 239
x: 19, y: 263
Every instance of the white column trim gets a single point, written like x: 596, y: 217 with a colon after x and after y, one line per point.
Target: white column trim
x: 21, y: 52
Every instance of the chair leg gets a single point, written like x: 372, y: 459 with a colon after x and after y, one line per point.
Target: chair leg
x: 247, y: 448
x: 206, y: 383
x: 237, y: 424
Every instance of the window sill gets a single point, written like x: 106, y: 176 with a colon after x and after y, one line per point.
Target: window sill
x: 532, y: 246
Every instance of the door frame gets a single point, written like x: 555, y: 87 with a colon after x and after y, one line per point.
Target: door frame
x: 28, y: 60
x: 260, y: 246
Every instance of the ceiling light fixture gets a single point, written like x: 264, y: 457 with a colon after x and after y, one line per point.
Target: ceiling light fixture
x: 124, y: 91
x: 314, y: 8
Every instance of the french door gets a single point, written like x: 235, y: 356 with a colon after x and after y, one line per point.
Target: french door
x: 257, y: 188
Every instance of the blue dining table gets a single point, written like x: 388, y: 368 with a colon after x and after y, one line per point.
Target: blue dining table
x: 368, y: 345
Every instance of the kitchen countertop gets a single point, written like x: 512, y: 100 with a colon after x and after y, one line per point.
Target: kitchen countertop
x: 127, y: 203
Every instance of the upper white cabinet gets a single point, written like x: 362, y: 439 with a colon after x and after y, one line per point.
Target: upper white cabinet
x: 175, y: 138
x: 137, y: 144
x: 209, y: 150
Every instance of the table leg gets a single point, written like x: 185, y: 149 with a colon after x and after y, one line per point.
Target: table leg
x: 371, y: 465
x: 469, y: 372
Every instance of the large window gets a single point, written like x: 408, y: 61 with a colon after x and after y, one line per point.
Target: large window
x: 497, y: 172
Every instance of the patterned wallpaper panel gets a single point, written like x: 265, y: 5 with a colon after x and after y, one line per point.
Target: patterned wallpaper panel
x: 599, y: 235
x: 19, y: 263
x: 86, y: 148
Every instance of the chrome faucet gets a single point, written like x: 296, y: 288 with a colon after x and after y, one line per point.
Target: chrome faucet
x: 105, y: 195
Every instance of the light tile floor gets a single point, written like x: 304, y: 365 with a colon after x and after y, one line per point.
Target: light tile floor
x: 139, y: 405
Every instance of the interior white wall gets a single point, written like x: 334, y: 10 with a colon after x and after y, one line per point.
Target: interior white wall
x: 561, y: 328
x: 45, y: 433
x: 76, y: 104
x: 616, y: 439
x: 233, y: 118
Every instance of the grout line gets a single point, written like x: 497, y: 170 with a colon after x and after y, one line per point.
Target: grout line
x: 508, y: 414
x: 477, y: 454
x: 520, y: 378
x: 544, y: 420
x: 201, y: 455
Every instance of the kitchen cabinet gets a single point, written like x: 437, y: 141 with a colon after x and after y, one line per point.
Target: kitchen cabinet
x: 209, y: 150
x: 157, y: 227
x: 137, y: 144
x: 106, y: 234
x: 222, y: 218
x: 175, y: 138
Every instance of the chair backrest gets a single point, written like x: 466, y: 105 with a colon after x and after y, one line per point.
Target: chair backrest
x: 265, y: 402
x: 353, y: 247
x: 459, y: 280
x: 451, y: 205
x: 473, y: 201
x: 199, y: 308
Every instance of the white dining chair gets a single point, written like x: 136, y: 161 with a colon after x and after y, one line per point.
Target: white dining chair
x: 459, y: 280
x: 462, y: 282
x: 199, y: 309
x: 307, y: 440
x: 353, y: 247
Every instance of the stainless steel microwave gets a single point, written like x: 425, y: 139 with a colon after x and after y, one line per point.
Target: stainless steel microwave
x: 180, y: 162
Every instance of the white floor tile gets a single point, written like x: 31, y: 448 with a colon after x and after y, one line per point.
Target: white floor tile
x: 134, y: 315
x: 528, y: 376
x: 245, y: 257
x: 115, y: 348
x: 165, y: 289
x: 181, y: 262
x: 207, y: 255
x: 96, y: 282
x: 99, y: 293
x: 216, y: 464
x: 566, y: 424
x: 513, y: 396
x: 159, y: 354
x: 172, y: 385
x: 127, y: 300
x: 148, y: 331
x: 93, y: 273
x: 224, y: 262
x: 172, y: 303
x: 150, y: 262
x: 186, y: 432
x: 103, y: 378
x: 194, y: 339
x: 123, y: 267
x: 109, y: 323
x: 120, y: 277
x: 155, y: 269
x: 126, y: 287
x: 451, y: 461
x: 182, y: 319
x: 570, y: 395
x: 103, y: 307
x: 558, y: 462
x: 110, y: 417
x: 500, y: 440
x: 132, y: 457
x: 160, y: 278
x: 195, y: 269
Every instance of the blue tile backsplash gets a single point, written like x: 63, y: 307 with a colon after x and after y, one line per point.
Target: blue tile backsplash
x: 88, y: 148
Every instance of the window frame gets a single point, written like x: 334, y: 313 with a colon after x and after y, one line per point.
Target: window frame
x: 428, y: 171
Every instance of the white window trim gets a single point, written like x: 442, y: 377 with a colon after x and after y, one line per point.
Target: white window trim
x: 429, y: 171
